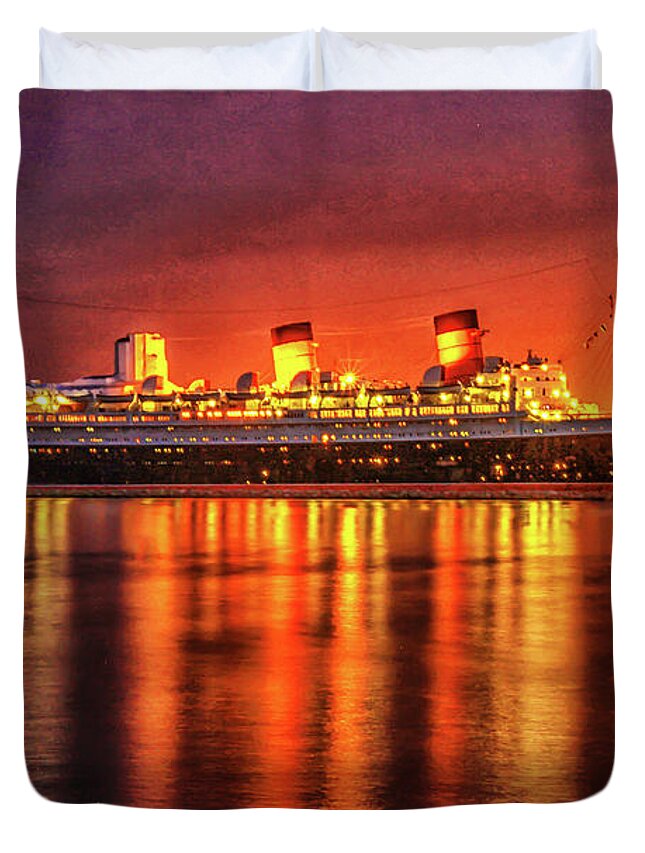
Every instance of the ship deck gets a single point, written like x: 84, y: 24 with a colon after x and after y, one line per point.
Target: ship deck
x: 333, y: 426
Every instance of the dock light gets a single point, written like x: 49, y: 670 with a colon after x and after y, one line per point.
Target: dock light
x: 544, y: 366
x: 378, y: 400
x: 528, y: 392
x: 556, y: 393
x: 314, y: 400
x: 525, y: 367
x: 42, y: 400
x: 506, y: 378
x: 444, y: 397
x: 347, y: 380
x: 479, y: 379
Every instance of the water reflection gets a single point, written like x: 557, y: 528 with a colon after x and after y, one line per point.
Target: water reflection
x: 366, y: 654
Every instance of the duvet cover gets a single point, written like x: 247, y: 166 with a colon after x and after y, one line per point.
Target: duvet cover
x: 318, y: 408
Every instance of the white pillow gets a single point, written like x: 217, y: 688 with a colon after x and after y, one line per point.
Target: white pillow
x: 567, y: 62
x: 286, y: 62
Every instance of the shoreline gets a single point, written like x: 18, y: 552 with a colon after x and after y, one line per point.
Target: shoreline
x: 374, y: 491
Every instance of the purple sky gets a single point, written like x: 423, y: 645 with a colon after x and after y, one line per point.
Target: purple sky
x: 211, y: 216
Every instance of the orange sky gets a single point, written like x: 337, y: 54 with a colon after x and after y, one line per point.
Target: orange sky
x: 210, y: 217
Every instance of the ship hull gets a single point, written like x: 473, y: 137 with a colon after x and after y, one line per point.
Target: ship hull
x: 552, y: 458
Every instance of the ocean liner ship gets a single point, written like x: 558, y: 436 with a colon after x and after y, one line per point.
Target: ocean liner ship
x: 473, y: 418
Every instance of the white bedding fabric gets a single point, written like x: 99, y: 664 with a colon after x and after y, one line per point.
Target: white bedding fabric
x: 566, y: 62
x: 286, y: 62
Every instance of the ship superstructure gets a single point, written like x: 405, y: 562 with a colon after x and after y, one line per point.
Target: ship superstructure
x: 464, y: 399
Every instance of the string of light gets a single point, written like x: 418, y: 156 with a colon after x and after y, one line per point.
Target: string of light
x: 132, y: 309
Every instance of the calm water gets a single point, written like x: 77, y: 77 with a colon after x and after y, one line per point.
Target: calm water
x: 220, y: 653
